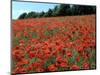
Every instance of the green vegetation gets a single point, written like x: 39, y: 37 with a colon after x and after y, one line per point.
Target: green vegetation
x: 61, y: 10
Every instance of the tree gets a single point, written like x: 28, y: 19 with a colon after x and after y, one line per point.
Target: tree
x: 41, y: 14
x: 89, y: 10
x: 83, y: 10
x: 31, y: 15
x: 63, y: 10
x: 54, y: 11
x: 22, y: 16
x: 48, y: 13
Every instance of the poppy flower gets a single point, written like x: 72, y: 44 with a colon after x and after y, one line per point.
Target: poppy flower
x: 39, y: 70
x: 18, y: 54
x: 86, y: 66
x: 75, y: 67
x: 63, y: 65
x: 31, y: 54
x: 69, y: 54
x: 52, y: 68
x: 39, y: 41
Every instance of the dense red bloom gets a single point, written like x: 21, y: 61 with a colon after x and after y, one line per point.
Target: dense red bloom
x: 75, y: 67
x: 69, y: 45
x: 30, y: 68
x: 53, y: 44
x: 59, y: 48
x: 80, y: 48
x: 25, y: 34
x: 37, y: 64
x: 78, y: 59
x: 20, y: 70
x: 28, y: 48
x: 23, y: 62
x: 86, y: 66
x: 18, y: 35
x: 69, y: 54
x: 63, y: 65
x: 31, y: 54
x: 47, y: 51
x: 59, y: 59
x: 18, y: 54
x: 39, y: 70
x: 52, y: 68
x: 22, y: 42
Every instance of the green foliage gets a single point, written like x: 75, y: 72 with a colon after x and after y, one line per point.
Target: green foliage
x: 72, y: 60
x: 22, y: 16
x: 61, y: 10
x: 34, y: 60
x: 55, y: 11
x: 41, y: 14
x: 49, y: 13
x: 51, y: 32
x: 34, y: 35
x: 50, y: 62
x: 31, y: 15
x: 15, y: 41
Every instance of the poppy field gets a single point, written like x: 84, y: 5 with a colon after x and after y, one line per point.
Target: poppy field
x: 54, y: 44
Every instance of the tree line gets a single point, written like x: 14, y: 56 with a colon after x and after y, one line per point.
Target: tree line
x: 61, y: 10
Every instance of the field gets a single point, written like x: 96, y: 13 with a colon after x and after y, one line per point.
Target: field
x: 54, y: 44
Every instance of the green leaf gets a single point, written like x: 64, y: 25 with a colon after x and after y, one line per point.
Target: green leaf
x: 34, y: 60
x: 15, y: 41
x: 34, y: 35
x: 49, y: 62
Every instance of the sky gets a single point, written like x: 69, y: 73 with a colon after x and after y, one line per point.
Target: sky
x: 21, y: 7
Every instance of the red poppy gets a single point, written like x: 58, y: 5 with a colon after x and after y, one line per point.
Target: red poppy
x: 75, y: 67
x: 39, y: 70
x: 18, y: 54
x: 69, y: 54
x: 52, y: 68
x: 31, y: 54
x: 63, y: 65
x: 86, y: 66
x: 55, y: 40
